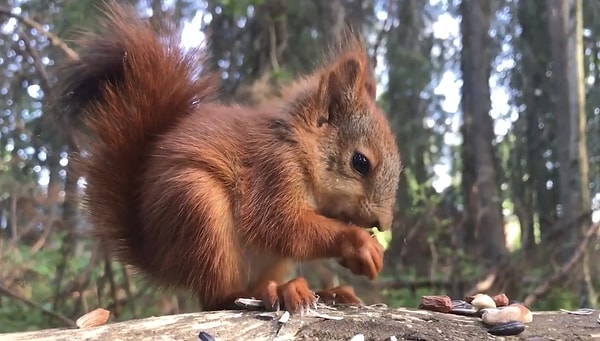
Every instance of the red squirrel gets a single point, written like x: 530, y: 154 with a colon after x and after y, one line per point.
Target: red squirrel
x: 221, y: 199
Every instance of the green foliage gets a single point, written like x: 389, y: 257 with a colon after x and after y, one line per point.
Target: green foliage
x: 37, y: 272
x: 239, y: 8
x: 16, y: 316
x: 405, y: 297
x: 282, y: 75
x: 36, y: 282
x: 557, y: 299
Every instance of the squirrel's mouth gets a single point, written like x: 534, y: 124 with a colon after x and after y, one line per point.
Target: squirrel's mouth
x: 370, y: 229
x: 368, y: 223
x: 352, y: 220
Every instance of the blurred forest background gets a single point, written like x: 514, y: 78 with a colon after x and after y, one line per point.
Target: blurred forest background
x: 497, y: 109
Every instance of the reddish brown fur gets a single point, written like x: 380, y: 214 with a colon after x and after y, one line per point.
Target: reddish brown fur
x: 221, y: 199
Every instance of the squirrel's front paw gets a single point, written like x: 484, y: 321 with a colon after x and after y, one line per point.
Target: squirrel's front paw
x: 343, y: 294
x: 292, y: 296
x: 361, y: 253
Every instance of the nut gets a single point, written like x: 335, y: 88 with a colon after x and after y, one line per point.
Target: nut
x: 441, y: 304
x: 94, y: 318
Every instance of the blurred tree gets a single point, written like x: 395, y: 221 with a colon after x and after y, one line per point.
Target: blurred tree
x: 258, y: 44
x: 533, y: 183
x: 565, y: 25
x: 485, y: 224
x: 415, y: 112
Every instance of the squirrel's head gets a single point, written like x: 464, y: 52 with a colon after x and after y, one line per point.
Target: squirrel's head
x: 355, y: 175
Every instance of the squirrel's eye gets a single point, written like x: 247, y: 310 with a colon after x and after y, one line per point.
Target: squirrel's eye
x: 361, y: 163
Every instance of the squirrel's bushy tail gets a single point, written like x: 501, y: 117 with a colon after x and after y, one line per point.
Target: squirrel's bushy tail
x: 129, y: 85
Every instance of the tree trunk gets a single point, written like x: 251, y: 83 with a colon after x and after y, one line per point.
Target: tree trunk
x: 535, y: 126
x: 409, y: 73
x: 569, y: 103
x: 481, y: 185
x: 566, y: 33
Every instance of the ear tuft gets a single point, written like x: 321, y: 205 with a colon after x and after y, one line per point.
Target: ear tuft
x: 343, y: 83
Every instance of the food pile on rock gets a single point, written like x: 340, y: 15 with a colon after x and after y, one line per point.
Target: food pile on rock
x: 498, y: 313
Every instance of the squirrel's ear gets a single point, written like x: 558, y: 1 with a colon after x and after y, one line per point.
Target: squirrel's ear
x: 342, y: 85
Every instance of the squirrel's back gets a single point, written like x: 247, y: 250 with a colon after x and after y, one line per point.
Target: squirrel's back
x: 127, y: 88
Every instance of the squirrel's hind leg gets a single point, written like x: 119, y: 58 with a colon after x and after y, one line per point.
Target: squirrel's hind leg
x: 199, y: 251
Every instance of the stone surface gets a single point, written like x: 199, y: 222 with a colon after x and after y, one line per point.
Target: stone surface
x: 374, y: 323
